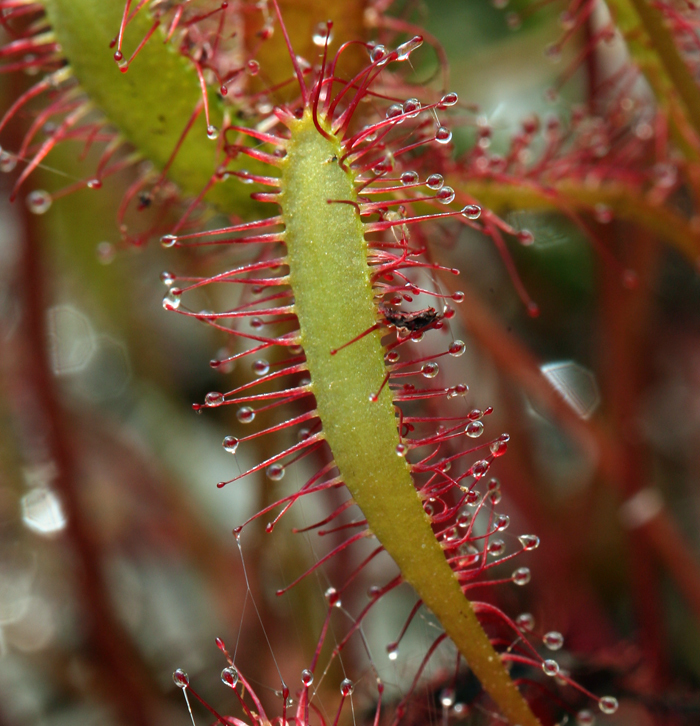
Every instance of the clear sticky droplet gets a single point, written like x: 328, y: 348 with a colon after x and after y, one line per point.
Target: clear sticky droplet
x: 94, y: 184
x: 457, y: 348
x: 168, y: 240
x: 608, y: 704
x: 333, y: 597
x: 261, y: 367
x: 405, y: 49
x: 550, y: 668
x: 502, y: 522
x: 434, y: 181
x: 553, y: 640
x: 229, y: 677
x: 171, y: 302
x: 446, y: 195
x: 39, y: 201
x: 378, y: 53
x: 8, y: 162
x: 449, y: 99
x: 474, y: 429
x: 525, y: 622
x: 443, y: 135
x: 392, y: 651
x: 230, y: 444
x: 181, y: 679
x: 307, y: 677
x: 275, y: 472
x: 412, y: 107
x: 585, y: 718
x: 346, y: 687
x: 498, y: 448
x: 213, y: 399
x: 529, y: 541
x: 401, y: 449
x: 430, y: 370
x: 471, y: 211
x: 480, y: 468
x: 322, y: 35
x: 409, y: 177
x: 212, y: 132
x: 245, y: 414
x: 522, y: 576
x: 167, y: 278
x: 496, y: 547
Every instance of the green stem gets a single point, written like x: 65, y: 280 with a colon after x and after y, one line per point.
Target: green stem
x: 327, y: 257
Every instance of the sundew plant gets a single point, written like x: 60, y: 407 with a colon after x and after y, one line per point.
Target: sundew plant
x: 338, y: 215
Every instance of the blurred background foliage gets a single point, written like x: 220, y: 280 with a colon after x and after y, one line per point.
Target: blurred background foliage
x: 601, y: 396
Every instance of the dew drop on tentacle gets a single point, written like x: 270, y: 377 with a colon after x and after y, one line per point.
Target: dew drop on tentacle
x: 522, y: 576
x: 496, y: 547
x: 449, y: 99
x: 529, y: 541
x: 331, y: 594
x: 550, y: 668
x: 322, y: 34
x: 443, y: 135
x: 245, y: 414
x: 585, y: 718
x: 412, y: 107
x: 480, y: 468
x: 457, y: 348
x: 608, y: 704
x: 261, y: 367
x: 275, y: 472
x: 171, y: 301
x: 181, y: 679
x: 498, y: 448
x: 229, y: 677
x: 230, y: 444
x: 405, y: 49
x: 39, y: 201
x: 471, y: 211
x: 525, y: 622
x: 445, y: 195
x: 553, y: 640
x: 434, y: 181
x: 430, y: 370
x: 213, y: 399
x: 168, y: 240
x: 167, y: 278
x: 378, y: 54
x: 474, y: 429
x: 8, y: 162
